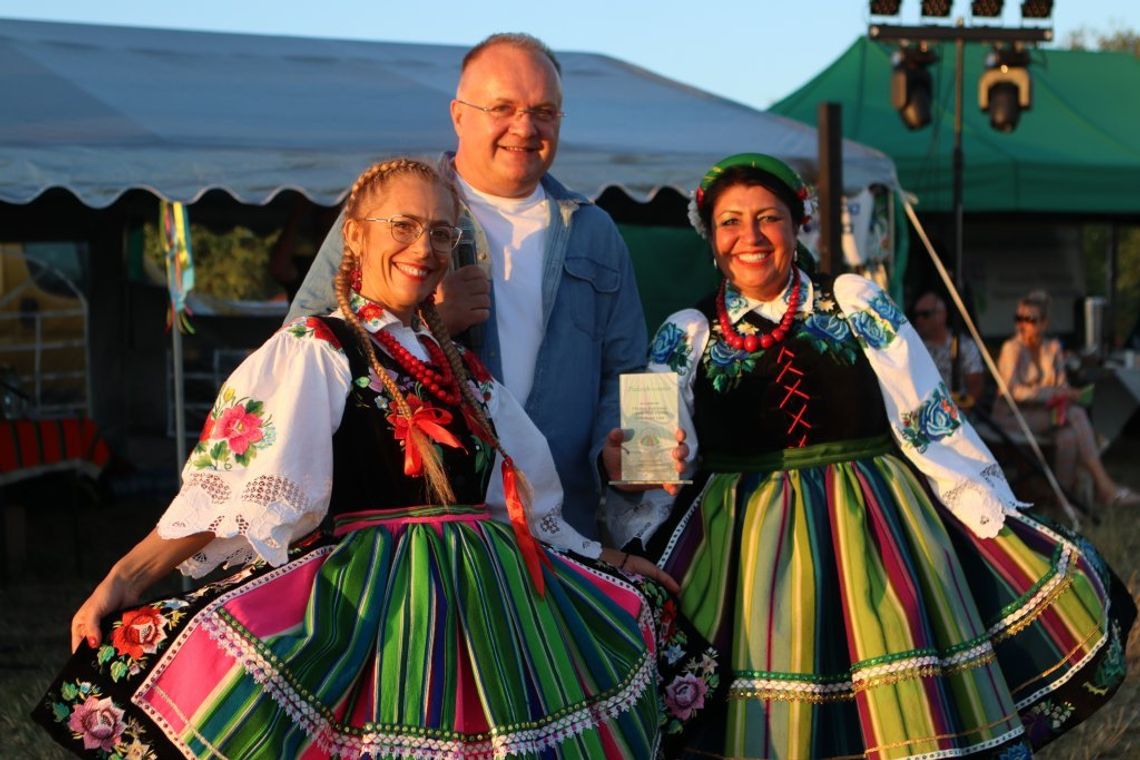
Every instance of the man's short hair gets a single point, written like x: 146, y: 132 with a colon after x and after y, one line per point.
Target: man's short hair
x: 518, y: 40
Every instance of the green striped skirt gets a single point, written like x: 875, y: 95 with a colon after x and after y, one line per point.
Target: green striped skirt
x: 859, y: 619
x: 408, y: 635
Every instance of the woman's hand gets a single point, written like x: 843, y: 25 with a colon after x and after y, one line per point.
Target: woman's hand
x: 113, y: 593
x: 611, y: 460
x: 149, y: 560
x: 631, y: 563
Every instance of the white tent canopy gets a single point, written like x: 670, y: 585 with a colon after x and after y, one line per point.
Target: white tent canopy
x: 100, y: 110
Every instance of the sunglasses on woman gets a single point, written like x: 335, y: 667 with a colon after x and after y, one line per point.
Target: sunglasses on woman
x: 1031, y: 319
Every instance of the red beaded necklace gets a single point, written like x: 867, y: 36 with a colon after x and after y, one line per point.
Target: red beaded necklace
x: 440, y: 384
x: 751, y: 343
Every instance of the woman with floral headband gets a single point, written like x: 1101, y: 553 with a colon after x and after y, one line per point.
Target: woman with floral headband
x: 848, y: 542
x: 421, y: 627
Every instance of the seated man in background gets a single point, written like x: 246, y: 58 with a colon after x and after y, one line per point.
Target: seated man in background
x: 956, y: 357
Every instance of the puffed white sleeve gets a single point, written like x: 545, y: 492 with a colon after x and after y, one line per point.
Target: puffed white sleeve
x: 260, y: 475
x: 531, y: 454
x: 677, y: 347
x: 926, y: 423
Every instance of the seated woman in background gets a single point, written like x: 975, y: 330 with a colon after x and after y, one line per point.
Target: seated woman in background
x: 1032, y: 366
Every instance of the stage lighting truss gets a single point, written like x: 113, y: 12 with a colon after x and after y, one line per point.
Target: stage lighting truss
x: 986, y: 8
x: 1037, y: 8
x: 885, y: 7
x: 936, y: 8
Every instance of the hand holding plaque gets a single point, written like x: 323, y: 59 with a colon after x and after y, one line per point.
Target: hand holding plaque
x: 649, y: 421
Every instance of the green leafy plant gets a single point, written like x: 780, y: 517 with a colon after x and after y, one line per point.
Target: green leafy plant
x: 233, y: 264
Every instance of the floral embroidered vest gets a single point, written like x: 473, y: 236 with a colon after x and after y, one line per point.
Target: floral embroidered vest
x: 368, y: 460
x: 815, y: 387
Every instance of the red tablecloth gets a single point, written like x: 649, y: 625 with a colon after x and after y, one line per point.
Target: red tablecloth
x: 34, y: 447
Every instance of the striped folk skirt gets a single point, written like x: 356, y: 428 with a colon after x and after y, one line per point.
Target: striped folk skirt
x: 857, y: 619
x: 416, y: 635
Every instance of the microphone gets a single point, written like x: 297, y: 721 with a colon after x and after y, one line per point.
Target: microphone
x: 464, y: 255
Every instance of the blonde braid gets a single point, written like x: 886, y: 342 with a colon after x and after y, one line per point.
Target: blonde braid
x: 439, y: 487
x: 435, y: 324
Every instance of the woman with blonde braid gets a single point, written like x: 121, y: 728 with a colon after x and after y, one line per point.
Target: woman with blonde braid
x: 422, y: 626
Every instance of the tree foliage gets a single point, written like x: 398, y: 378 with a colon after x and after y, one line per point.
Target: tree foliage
x: 1126, y: 299
x: 232, y: 264
x: 1119, y: 39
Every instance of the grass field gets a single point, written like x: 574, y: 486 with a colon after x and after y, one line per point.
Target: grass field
x: 37, y: 607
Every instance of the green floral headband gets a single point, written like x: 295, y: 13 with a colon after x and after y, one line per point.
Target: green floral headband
x: 761, y: 161
x: 770, y: 164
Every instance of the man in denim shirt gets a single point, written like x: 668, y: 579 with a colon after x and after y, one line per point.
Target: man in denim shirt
x: 551, y: 292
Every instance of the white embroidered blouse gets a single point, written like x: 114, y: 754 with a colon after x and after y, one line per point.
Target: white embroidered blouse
x: 261, y: 475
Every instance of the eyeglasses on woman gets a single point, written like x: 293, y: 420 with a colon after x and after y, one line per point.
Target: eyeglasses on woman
x: 405, y: 230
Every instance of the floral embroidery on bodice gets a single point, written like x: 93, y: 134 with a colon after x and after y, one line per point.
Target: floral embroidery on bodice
x: 814, y: 387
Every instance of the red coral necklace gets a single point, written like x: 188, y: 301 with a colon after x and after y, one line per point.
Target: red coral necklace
x: 751, y: 343
x: 440, y: 384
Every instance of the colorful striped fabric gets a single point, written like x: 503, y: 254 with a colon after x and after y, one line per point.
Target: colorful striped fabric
x: 33, y: 447
x: 863, y: 621
x: 423, y: 640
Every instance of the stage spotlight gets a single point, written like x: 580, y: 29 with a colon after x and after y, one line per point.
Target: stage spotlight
x: 986, y: 8
x: 1005, y: 89
x: 885, y: 7
x: 1037, y: 8
x: 912, y: 86
x: 938, y: 8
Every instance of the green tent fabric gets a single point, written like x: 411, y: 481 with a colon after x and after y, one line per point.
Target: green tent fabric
x: 1076, y: 151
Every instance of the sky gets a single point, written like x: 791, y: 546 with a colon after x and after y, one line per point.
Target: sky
x: 752, y: 51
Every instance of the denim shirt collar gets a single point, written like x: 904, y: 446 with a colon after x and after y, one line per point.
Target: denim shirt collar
x: 737, y: 304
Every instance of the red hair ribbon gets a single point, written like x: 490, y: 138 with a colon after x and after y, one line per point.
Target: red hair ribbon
x: 531, y: 550
x: 430, y: 421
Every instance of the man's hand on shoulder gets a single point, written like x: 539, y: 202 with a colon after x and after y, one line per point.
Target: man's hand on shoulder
x: 463, y: 299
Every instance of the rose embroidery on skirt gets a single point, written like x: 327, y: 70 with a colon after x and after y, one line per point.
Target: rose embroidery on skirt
x: 139, y: 632
x: 98, y: 723
x: 685, y: 695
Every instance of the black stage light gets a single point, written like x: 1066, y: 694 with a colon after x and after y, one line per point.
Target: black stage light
x: 912, y: 88
x: 885, y: 7
x: 986, y: 8
x: 939, y: 8
x: 1037, y: 8
x: 1005, y: 89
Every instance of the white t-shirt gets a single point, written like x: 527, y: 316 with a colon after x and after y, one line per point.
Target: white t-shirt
x: 516, y: 234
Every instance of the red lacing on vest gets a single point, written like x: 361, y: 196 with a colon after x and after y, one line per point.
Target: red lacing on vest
x: 794, y: 402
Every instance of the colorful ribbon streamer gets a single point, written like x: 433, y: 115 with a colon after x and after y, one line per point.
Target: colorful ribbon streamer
x: 531, y: 550
x: 429, y: 421
x: 179, y: 263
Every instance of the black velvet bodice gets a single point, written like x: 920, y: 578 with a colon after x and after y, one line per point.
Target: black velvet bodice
x: 815, y: 387
x: 368, y: 460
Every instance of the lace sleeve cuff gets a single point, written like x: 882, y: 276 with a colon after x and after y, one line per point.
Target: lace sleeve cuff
x: 271, y: 513
x: 981, y: 502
